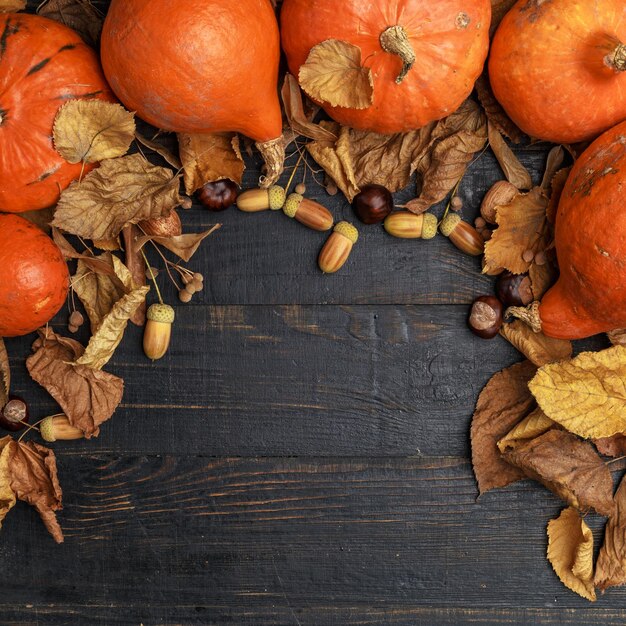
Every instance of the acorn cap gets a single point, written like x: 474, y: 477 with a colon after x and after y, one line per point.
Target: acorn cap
x: 276, y: 197
x: 449, y: 224
x: 161, y: 313
x: 293, y: 203
x: 46, y: 429
x: 429, y: 226
x: 347, y: 230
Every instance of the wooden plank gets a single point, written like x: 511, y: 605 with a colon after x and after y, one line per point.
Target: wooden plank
x: 329, y: 381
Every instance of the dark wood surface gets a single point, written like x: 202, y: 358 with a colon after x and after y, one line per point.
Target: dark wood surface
x: 300, y: 456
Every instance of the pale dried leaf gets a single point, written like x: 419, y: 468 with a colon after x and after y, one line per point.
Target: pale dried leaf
x: 79, y: 15
x: 536, y: 347
x: 12, y: 6
x: 611, y: 563
x: 160, y: 149
x: 5, y: 374
x: 570, y: 552
x: 586, y: 395
x: 494, y: 111
x: 533, y: 425
x: 110, y: 245
x: 514, y: 171
x: 210, y: 157
x: 120, y: 192
x: 184, y: 246
x: 501, y: 404
x: 92, y: 131
x: 333, y: 73
x: 7, y: 495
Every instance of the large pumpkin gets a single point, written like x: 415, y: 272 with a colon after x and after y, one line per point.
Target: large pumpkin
x: 199, y: 66
x: 448, y: 40
x: 34, y: 278
x: 43, y: 64
x: 558, y: 67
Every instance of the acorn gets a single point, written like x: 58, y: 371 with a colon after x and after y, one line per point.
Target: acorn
x: 463, y: 235
x: 58, y: 428
x: 407, y: 225
x: 158, y: 330
x: 337, y: 248
x: 255, y: 200
x: 308, y: 212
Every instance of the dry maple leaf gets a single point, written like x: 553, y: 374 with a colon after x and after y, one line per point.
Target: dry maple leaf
x: 568, y: 466
x: 514, y: 171
x: 12, y: 6
x: 209, y: 157
x: 184, y: 246
x: 522, y: 225
x: 611, y: 563
x: 570, y: 552
x: 533, y: 425
x: 494, y: 111
x: 586, y: 395
x: 5, y: 374
x: 88, y: 397
x: 7, y: 495
x: 121, y: 191
x: 92, y: 131
x: 79, y: 15
x: 504, y: 400
x: 536, y: 347
x: 333, y: 73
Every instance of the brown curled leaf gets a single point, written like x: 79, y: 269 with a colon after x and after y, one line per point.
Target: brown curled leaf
x: 7, y: 495
x: 514, y: 171
x: 184, y: 246
x: 5, y: 374
x: 494, y: 111
x: 79, y: 15
x: 536, y: 347
x: 137, y: 268
x: 611, y: 563
x: 160, y: 149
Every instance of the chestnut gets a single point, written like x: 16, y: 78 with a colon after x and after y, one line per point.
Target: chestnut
x: 14, y: 414
x: 219, y: 195
x: 485, y: 317
x: 373, y: 204
x: 514, y: 289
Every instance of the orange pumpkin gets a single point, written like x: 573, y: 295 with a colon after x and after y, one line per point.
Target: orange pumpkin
x: 43, y: 64
x: 447, y: 39
x: 199, y: 66
x: 558, y: 67
x: 34, y: 278
x: 590, y: 239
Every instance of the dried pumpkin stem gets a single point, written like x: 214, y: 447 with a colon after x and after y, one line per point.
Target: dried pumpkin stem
x: 617, y: 58
x: 529, y: 315
x: 273, y: 153
x: 395, y: 41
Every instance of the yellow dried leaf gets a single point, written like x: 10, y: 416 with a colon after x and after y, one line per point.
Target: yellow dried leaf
x: 7, y: 495
x: 586, y: 395
x: 536, y: 347
x: 12, y: 6
x: 514, y: 171
x: 333, y: 73
x: 522, y: 225
x: 611, y: 563
x: 5, y: 374
x: 210, y: 157
x: 570, y: 552
x: 92, y: 130
x: 530, y: 427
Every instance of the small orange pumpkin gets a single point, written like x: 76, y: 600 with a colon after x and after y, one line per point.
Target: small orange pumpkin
x: 34, y: 278
x: 43, y: 64
x: 558, y: 67
x: 447, y: 40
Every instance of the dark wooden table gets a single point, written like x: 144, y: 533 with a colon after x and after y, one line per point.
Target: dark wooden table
x: 300, y: 456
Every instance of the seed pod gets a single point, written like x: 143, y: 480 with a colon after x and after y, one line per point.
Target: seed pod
x: 464, y: 236
x: 169, y: 226
x: 501, y: 193
x: 255, y: 200
x: 407, y: 225
x: 58, y: 428
x: 308, y: 212
x: 337, y: 248
x: 158, y: 330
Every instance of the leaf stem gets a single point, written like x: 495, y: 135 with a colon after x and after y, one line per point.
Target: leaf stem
x: 152, y: 276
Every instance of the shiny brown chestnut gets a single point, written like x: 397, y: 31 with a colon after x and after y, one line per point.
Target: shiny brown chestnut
x: 373, y: 204
x: 14, y: 414
x: 485, y: 319
x: 219, y: 195
x: 514, y: 289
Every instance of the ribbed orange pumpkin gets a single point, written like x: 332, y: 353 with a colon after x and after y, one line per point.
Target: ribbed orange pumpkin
x: 43, y: 64
x: 34, y: 278
x: 449, y: 39
x: 199, y: 66
x: 558, y: 67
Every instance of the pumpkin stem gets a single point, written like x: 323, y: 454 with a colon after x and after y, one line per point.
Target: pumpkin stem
x: 395, y: 41
x: 617, y: 58
x: 529, y: 315
x: 273, y: 153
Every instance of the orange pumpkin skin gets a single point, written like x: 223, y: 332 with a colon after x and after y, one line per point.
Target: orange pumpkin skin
x: 198, y: 66
x: 450, y: 39
x: 550, y: 67
x: 34, y: 278
x: 43, y: 64
x: 590, y: 238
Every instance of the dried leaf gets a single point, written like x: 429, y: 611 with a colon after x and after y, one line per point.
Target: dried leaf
x: 296, y: 118
x: 568, y: 466
x: 110, y: 245
x: 530, y: 427
x: 494, y: 111
x: 5, y: 374
x: 536, y: 347
x: 522, y: 225
x: 120, y: 192
x: 92, y: 131
x: 553, y: 165
x: 570, y: 552
x: 333, y: 73
x: 501, y: 404
x: 499, y: 8
x: 40, y: 218
x: 514, y: 171
x: 34, y: 480
x: 617, y: 337
x: 586, y: 395
x: 159, y: 149
x: 137, y: 268
x: 611, y: 446
x: 185, y: 246
x: 110, y: 332
x: 556, y: 185
x: 7, y: 495
x: 542, y: 277
x: 611, y: 563
x: 12, y: 6
x: 80, y: 15
x: 88, y: 397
